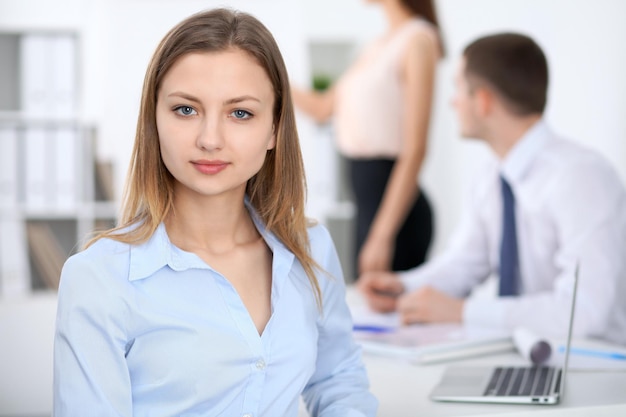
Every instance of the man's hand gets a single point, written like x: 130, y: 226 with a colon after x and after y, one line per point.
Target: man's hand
x: 381, y: 290
x: 428, y: 305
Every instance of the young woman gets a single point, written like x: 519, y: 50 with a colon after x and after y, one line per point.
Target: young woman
x: 381, y: 110
x: 214, y: 296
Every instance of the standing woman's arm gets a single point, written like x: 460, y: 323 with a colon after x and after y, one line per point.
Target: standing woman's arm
x: 418, y: 74
x: 317, y: 104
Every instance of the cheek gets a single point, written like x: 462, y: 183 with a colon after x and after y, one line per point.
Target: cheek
x: 166, y: 156
x: 169, y: 148
x: 257, y: 155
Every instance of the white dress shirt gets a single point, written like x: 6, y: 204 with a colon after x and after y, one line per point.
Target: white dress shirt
x: 152, y: 330
x: 570, y: 207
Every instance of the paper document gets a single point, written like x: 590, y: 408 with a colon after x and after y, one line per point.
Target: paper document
x: 590, y: 355
x: 384, y: 334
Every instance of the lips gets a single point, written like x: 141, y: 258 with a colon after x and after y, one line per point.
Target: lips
x: 209, y: 167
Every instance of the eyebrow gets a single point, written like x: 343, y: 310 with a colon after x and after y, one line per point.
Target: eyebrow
x: 184, y: 95
x: 233, y: 100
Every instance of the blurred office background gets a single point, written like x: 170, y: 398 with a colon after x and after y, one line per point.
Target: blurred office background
x: 103, y: 48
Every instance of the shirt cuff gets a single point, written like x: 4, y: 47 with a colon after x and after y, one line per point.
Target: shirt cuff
x: 411, y: 280
x: 485, y: 313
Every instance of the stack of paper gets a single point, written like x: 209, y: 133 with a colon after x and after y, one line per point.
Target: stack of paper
x: 383, y: 334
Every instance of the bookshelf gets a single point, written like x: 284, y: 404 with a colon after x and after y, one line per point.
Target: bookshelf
x: 53, y: 189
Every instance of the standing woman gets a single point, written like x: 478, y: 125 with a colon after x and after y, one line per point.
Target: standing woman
x: 214, y: 296
x: 381, y: 109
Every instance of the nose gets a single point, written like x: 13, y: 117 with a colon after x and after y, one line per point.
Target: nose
x: 211, y: 134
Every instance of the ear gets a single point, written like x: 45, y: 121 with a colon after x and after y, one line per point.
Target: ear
x: 485, y: 101
x: 272, y: 142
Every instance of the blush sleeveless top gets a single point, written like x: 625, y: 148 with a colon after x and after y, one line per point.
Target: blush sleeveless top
x: 369, y: 102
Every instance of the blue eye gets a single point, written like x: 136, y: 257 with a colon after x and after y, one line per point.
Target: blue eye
x: 185, y: 110
x: 241, y: 114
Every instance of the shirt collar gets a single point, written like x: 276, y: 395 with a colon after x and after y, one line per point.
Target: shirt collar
x: 522, y: 155
x: 159, y: 251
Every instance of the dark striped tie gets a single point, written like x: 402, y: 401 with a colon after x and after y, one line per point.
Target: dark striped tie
x: 509, y: 266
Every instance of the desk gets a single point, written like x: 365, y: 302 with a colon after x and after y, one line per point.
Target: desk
x: 402, y: 389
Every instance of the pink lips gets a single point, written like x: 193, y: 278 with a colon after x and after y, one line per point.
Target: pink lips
x: 209, y: 167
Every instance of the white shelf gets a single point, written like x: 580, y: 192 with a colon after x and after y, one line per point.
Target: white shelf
x: 51, y: 193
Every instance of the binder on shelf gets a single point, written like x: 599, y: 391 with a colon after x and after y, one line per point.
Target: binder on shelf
x: 38, y: 181
x: 48, y: 74
x: 63, y: 91
x: 8, y: 166
x: 9, y: 72
x: 47, y: 254
x: 35, y: 59
x: 14, y: 266
x: 66, y: 190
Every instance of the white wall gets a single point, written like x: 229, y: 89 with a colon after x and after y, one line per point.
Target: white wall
x: 583, y: 41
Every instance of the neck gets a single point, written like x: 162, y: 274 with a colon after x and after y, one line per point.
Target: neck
x: 397, y: 14
x: 217, y: 224
x: 505, y: 134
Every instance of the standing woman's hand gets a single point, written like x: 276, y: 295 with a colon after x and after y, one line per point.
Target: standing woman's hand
x: 319, y: 105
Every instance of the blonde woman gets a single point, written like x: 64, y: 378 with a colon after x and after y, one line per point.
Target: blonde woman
x: 214, y: 296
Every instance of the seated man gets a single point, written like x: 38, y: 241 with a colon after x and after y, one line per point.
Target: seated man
x: 543, y: 205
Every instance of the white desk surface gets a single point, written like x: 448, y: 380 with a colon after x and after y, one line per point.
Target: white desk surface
x: 402, y: 389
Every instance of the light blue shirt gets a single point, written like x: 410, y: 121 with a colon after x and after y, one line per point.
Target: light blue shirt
x: 152, y: 330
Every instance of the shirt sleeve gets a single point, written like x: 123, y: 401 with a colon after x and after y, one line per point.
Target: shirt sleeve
x: 465, y: 262
x: 339, y: 386
x: 90, y: 373
x: 589, y: 213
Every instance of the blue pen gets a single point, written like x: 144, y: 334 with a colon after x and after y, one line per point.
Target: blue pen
x: 597, y: 353
x: 372, y: 328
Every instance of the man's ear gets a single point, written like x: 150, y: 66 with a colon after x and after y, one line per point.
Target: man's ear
x: 484, y: 101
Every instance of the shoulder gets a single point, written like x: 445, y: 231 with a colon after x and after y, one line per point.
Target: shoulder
x: 320, y: 239
x: 582, y: 182
x: 574, y: 163
x: 94, y: 287
x: 105, y: 259
x: 324, y: 253
x: 423, y: 35
x: 103, y: 251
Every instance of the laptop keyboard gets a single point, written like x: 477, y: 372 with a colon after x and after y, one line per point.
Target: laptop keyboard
x: 521, y: 381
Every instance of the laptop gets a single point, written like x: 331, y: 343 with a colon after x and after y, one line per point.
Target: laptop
x: 507, y: 384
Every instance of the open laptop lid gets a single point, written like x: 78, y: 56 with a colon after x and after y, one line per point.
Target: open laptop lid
x: 469, y: 384
x: 569, y: 330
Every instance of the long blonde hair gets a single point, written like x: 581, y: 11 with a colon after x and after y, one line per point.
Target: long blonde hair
x: 277, y: 191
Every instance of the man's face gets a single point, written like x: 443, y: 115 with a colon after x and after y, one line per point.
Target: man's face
x: 464, y: 102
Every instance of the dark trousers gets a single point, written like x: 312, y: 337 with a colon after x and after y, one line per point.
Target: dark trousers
x: 369, y: 179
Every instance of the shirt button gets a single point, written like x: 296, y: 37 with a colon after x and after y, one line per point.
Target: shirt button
x: 260, y: 365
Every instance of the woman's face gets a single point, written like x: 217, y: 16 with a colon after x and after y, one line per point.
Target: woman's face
x: 215, y: 121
